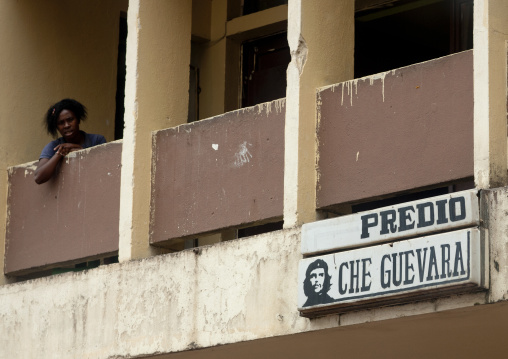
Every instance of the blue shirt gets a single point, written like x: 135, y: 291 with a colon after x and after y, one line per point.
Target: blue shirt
x: 90, y: 141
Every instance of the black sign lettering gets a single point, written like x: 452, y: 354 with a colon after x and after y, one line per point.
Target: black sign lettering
x: 354, y: 277
x: 458, y: 260
x: 445, y: 261
x: 432, y: 264
x: 365, y: 274
x: 441, y: 211
x: 405, y: 221
x: 385, y: 274
x: 366, y: 224
x: 407, y: 267
x: 388, y: 224
x: 421, y: 262
x: 397, y: 282
x: 421, y: 214
x: 454, y: 217
x: 342, y: 290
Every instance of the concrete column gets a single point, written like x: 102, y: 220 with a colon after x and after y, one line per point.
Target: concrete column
x: 490, y: 79
x: 321, y: 40
x: 156, y: 97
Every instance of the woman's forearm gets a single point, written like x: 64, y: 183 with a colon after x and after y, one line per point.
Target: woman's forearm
x: 46, y: 168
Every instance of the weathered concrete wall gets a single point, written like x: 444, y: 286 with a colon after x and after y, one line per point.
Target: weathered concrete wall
x: 222, y: 172
x: 396, y: 131
x: 233, y: 292
x: 494, y: 204
x: 71, y: 217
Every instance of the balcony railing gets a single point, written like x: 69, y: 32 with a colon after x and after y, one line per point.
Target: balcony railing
x: 389, y: 133
x: 69, y: 219
x: 397, y: 131
x: 227, y: 171
x: 219, y: 173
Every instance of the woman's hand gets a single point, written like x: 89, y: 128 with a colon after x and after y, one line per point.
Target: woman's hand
x: 47, y: 166
x: 63, y: 149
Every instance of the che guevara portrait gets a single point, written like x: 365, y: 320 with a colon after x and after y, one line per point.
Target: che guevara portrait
x: 317, y: 283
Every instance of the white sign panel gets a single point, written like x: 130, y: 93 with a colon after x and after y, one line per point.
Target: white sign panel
x: 411, y: 219
x: 405, y: 271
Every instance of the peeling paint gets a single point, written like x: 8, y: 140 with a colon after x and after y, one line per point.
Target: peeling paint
x: 280, y: 104
x: 299, y: 56
x: 267, y: 106
x: 351, y: 87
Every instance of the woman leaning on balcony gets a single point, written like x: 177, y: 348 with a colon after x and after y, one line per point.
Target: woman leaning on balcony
x: 64, y: 117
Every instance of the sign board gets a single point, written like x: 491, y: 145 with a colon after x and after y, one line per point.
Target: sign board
x: 395, y: 273
x: 411, y: 219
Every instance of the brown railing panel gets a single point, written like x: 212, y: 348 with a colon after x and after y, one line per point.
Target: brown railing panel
x: 396, y: 131
x: 222, y: 172
x: 72, y: 217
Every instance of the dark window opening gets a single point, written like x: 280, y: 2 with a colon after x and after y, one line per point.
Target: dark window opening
x: 232, y: 233
x: 194, y: 82
x: 264, y: 65
x: 462, y: 26
x: 120, y: 77
x: 402, y: 33
x: 251, y: 6
x: 368, y: 206
x: 260, y: 229
x: 69, y: 268
x: 194, y: 90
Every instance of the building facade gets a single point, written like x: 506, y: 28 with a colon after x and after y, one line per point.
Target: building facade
x: 233, y: 128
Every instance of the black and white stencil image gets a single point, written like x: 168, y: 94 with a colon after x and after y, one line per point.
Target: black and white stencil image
x: 317, y: 283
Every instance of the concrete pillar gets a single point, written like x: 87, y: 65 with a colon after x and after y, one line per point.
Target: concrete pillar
x: 490, y: 79
x: 321, y: 40
x: 156, y: 97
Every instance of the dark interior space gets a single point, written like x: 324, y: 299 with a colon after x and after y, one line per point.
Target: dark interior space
x: 408, y: 197
x: 260, y: 229
x: 402, y: 33
x: 251, y: 6
x: 264, y: 65
x: 120, y: 77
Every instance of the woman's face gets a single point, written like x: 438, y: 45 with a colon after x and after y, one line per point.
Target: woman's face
x: 68, y: 125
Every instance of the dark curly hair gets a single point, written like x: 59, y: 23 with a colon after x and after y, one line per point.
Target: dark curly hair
x: 54, y: 111
x: 307, y: 286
